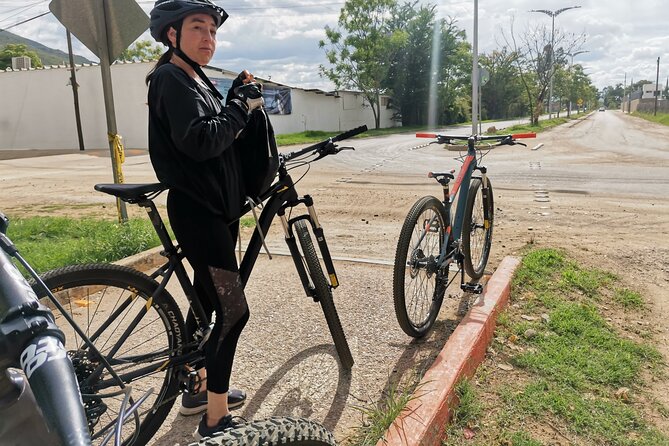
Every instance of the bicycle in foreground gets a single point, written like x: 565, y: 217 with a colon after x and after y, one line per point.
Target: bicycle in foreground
x: 50, y: 410
x: 434, y: 236
x: 138, y: 328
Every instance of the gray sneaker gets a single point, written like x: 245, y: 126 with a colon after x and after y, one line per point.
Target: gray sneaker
x: 225, y: 423
x: 193, y: 404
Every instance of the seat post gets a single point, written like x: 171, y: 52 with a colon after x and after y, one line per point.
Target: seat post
x: 158, y: 225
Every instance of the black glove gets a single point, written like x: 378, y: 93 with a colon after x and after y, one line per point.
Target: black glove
x: 250, y: 94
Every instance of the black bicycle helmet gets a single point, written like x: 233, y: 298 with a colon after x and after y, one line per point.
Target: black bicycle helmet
x: 167, y: 12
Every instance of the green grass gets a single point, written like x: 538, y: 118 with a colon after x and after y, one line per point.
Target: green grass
x: 314, y: 136
x: 567, y: 372
x: 543, y: 125
x: 660, y: 118
x: 379, y: 416
x: 51, y: 242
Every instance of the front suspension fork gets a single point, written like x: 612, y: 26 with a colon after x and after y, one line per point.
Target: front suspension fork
x: 291, y: 241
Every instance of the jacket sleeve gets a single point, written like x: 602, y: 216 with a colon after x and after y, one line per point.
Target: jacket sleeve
x: 195, y: 128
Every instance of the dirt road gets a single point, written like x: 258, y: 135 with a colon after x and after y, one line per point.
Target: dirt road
x: 598, y: 189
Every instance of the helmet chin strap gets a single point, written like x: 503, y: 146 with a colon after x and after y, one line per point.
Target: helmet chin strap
x: 195, y: 66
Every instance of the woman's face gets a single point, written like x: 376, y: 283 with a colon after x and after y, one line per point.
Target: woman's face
x: 198, y: 37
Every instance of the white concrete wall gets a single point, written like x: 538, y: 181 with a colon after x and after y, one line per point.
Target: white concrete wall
x: 38, y: 109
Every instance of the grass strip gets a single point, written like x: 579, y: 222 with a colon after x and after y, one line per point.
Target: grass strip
x: 660, y: 118
x: 559, y: 369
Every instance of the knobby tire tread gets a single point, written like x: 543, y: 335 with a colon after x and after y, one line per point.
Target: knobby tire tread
x: 476, y: 271
x: 324, y: 294
x: 399, y: 269
x: 273, y: 431
x: 135, y: 281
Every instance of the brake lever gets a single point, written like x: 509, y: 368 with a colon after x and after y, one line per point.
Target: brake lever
x: 339, y: 149
x: 521, y: 143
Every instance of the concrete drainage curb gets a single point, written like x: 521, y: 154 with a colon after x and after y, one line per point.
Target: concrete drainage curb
x: 423, y: 421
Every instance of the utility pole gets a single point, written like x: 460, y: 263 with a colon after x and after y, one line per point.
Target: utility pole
x: 629, y: 97
x: 475, y: 70
x: 624, y: 88
x: 552, y: 14
x: 657, y: 85
x: 75, y: 90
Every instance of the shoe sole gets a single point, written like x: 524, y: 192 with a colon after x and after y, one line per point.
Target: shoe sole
x: 188, y: 411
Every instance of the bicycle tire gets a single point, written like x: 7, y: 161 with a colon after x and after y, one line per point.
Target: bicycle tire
x: 477, y: 226
x: 82, y: 288
x: 272, y: 432
x: 418, y: 282
x: 323, y: 294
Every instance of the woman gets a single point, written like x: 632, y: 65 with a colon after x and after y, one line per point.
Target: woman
x: 190, y: 144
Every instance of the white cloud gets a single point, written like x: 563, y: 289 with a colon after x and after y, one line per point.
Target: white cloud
x: 622, y: 36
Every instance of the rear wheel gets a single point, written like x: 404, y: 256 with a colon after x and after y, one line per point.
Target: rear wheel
x: 477, y: 228
x: 133, y: 330
x: 273, y: 432
x: 419, y: 282
x: 323, y: 293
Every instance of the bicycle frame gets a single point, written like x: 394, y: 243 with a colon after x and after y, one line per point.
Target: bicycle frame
x: 280, y: 196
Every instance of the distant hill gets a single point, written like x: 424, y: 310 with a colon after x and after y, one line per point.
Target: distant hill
x: 48, y: 55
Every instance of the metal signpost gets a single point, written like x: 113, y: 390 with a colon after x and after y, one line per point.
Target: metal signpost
x: 106, y: 27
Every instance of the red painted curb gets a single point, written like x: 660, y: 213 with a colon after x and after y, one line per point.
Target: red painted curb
x: 423, y: 421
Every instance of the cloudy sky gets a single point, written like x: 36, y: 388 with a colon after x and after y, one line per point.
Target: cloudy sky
x: 278, y: 39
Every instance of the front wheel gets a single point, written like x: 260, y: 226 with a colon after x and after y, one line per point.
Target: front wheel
x: 273, y: 431
x: 323, y: 293
x: 477, y: 227
x: 419, y: 282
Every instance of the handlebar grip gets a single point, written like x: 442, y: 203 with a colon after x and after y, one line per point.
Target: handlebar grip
x: 426, y: 135
x: 52, y: 380
x: 350, y: 133
x: 523, y: 135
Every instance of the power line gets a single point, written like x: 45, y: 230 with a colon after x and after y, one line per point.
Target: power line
x: 22, y: 9
x: 24, y: 21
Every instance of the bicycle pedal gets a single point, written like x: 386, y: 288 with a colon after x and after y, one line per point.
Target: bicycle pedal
x: 475, y: 288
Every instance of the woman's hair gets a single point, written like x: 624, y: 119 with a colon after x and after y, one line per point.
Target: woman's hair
x: 165, y: 58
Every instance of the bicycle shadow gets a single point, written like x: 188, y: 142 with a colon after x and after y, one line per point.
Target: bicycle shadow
x: 285, y: 395
x: 421, y: 353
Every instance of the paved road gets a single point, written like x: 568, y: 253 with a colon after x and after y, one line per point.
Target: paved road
x: 599, y: 187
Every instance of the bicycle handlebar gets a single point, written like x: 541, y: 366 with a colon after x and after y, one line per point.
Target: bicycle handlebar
x: 445, y: 138
x: 325, y: 144
x: 29, y: 338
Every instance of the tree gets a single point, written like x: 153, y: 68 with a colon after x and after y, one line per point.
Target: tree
x: 502, y: 95
x: 17, y: 50
x: 537, y: 61
x: 141, y: 50
x: 410, y: 78
x: 358, y: 51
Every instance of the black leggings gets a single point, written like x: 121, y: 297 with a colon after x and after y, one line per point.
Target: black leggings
x: 207, y: 240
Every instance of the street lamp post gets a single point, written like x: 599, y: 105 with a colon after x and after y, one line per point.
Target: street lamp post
x: 552, y: 14
x: 571, y: 64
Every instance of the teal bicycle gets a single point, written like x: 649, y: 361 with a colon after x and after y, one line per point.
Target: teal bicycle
x: 433, y: 236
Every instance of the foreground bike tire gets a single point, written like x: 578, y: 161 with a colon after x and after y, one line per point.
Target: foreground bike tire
x: 477, y: 225
x: 273, y: 431
x: 323, y: 294
x: 418, y: 284
x: 104, y: 300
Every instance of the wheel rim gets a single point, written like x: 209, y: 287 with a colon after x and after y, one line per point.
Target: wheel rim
x: 478, y: 235
x: 420, y: 272
x: 91, y: 307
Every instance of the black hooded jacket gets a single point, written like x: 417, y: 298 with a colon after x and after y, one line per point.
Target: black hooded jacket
x: 190, y: 141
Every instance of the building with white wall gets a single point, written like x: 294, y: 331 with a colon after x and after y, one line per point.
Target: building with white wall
x: 38, y: 108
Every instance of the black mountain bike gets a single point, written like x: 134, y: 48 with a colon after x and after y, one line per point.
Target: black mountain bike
x: 138, y: 328
x: 49, y: 408
x: 434, y: 236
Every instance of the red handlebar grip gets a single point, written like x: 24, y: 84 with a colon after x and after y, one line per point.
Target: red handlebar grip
x: 523, y: 135
x: 426, y: 135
